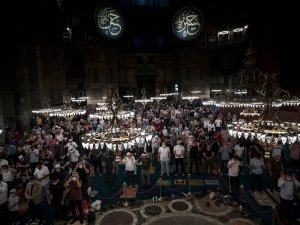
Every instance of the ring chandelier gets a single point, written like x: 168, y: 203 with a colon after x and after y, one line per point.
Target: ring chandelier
x: 115, y: 137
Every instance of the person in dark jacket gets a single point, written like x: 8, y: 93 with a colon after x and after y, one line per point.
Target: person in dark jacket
x: 194, y: 155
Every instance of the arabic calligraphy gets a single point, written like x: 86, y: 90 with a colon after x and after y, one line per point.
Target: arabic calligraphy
x: 110, y: 22
x: 187, y: 23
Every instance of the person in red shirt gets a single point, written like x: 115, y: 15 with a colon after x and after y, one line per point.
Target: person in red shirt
x: 16, y: 136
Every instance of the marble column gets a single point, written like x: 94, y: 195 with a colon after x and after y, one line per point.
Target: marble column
x: 22, y: 91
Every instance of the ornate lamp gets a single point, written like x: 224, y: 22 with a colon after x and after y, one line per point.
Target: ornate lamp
x: 101, y: 106
x: 268, y: 128
x: 128, y: 95
x: 115, y: 137
x: 263, y: 99
x: 107, y: 115
x: 144, y: 100
x: 158, y: 98
x: 190, y: 98
x: 166, y: 93
x: 45, y: 109
x: 67, y: 111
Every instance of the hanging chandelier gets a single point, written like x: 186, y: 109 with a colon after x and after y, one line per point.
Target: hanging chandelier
x: 261, y: 96
x: 158, y: 98
x: 106, y: 115
x: 101, y: 106
x: 250, y: 112
x: 268, y: 127
x: 115, y: 137
x: 45, y: 109
x: 190, y: 98
x: 79, y: 99
x: 166, y: 93
x: 144, y: 100
x: 67, y: 111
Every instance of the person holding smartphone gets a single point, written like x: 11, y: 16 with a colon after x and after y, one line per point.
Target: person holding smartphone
x: 74, y: 185
x: 287, y: 184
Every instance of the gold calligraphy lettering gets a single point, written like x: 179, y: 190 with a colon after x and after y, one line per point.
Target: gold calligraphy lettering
x: 109, y: 21
x: 187, y: 23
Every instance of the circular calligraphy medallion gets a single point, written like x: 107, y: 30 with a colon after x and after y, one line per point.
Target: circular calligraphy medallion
x: 187, y: 23
x: 109, y: 22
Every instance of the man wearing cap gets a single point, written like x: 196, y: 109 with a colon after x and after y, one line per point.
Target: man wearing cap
x: 23, y: 163
x: 71, y: 145
x: 59, y: 173
x: 129, y: 161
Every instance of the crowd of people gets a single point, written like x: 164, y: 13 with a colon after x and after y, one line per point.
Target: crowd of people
x: 47, y: 165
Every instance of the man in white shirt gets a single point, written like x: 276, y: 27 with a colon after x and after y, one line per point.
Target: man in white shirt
x: 59, y: 136
x: 287, y: 184
x: 155, y: 144
x: 73, y: 154
x: 41, y: 174
x: 129, y: 161
x: 165, y: 132
x: 238, y: 151
x: 179, y: 152
x: 33, y: 157
x: 164, y: 156
x: 233, y: 166
x: 71, y: 145
x: 218, y: 124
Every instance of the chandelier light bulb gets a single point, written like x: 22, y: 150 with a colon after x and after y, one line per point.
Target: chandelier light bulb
x: 283, y: 139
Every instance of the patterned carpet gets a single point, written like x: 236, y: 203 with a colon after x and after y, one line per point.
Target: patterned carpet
x: 129, y: 192
x: 262, y: 198
x: 275, y: 195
